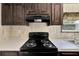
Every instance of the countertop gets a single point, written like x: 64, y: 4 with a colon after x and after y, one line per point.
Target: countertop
x: 14, y: 45
x: 64, y: 45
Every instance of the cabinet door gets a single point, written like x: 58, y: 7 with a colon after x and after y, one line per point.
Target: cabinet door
x: 7, y: 18
x: 44, y: 8
x: 57, y: 14
x: 37, y: 8
x: 31, y: 9
x: 18, y: 14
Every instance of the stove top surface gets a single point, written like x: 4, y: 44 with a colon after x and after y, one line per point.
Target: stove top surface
x: 41, y: 45
x: 38, y: 41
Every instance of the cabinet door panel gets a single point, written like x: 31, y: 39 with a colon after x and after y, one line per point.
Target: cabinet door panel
x: 18, y: 14
x: 57, y: 14
x: 30, y: 9
x: 7, y: 14
x: 57, y: 20
x: 44, y: 8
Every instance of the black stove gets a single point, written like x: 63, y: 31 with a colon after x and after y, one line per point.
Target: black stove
x: 38, y: 45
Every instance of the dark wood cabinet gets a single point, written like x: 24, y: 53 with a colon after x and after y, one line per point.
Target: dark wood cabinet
x: 7, y: 17
x: 57, y: 14
x: 37, y: 8
x: 44, y: 8
x: 16, y: 13
x: 30, y: 9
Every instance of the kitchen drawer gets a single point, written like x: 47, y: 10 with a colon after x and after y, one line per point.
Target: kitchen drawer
x: 69, y: 53
x: 10, y: 53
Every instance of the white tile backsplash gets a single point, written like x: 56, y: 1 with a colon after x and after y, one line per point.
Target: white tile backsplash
x: 21, y: 32
x: 38, y: 27
x: 55, y: 33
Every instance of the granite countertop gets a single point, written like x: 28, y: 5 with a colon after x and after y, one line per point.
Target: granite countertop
x: 11, y: 44
x: 14, y: 45
x: 64, y: 45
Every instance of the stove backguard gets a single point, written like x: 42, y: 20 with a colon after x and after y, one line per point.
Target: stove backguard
x: 38, y: 35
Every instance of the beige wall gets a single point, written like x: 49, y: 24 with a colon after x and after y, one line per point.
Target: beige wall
x: 72, y: 7
x: 0, y: 22
x: 21, y: 32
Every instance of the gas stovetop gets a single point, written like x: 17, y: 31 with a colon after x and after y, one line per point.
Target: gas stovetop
x: 44, y: 45
x: 38, y: 43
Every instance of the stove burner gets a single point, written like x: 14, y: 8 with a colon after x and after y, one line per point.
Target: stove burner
x: 46, y: 43
x: 31, y: 43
